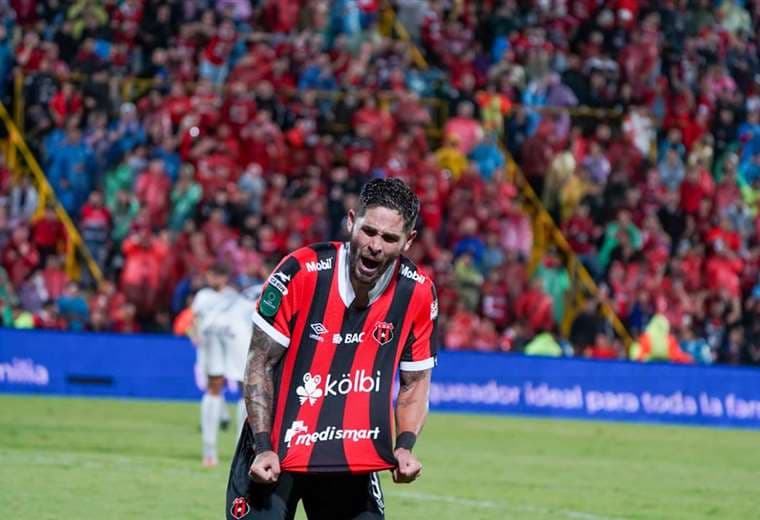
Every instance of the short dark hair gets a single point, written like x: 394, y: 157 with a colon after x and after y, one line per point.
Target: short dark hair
x: 220, y: 268
x: 392, y: 194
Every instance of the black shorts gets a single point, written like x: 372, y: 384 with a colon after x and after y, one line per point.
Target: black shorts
x: 326, y: 496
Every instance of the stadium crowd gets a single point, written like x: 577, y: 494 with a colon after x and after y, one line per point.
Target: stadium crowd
x: 257, y: 122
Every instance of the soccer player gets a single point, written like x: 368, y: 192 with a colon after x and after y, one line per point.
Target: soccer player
x: 221, y: 331
x: 332, y: 327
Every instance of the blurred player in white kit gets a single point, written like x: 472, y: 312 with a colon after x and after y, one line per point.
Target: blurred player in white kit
x: 221, y: 331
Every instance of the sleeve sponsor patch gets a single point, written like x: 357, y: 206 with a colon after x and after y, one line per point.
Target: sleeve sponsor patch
x: 270, y: 301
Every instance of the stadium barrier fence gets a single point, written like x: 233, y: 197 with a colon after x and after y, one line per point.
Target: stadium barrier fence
x: 161, y: 367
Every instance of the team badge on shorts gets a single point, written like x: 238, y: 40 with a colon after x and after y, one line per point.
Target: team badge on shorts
x: 240, y: 507
x: 383, y: 332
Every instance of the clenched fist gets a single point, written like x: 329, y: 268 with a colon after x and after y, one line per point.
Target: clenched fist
x: 265, y: 468
x: 408, y: 468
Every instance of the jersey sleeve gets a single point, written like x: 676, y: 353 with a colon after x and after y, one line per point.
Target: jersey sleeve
x: 277, y: 304
x: 198, y: 304
x: 422, y: 345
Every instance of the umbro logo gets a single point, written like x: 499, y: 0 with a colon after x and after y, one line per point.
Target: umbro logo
x: 317, y: 331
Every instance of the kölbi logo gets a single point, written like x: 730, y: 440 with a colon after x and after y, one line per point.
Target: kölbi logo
x: 312, y: 390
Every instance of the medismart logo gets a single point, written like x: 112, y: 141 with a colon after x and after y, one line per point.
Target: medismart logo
x: 298, y: 434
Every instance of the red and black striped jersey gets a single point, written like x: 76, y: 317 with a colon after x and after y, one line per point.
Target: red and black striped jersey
x: 332, y: 403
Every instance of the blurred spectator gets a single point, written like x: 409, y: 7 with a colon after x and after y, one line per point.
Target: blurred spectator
x: 534, y: 307
x: 465, y: 128
x: 450, y: 158
x: 141, y: 276
x: 659, y: 200
x: 20, y: 256
x: 152, y: 188
x: 468, y: 281
x: 73, y: 308
x: 95, y: 224
x: 555, y: 282
x: 49, y: 318
x: 184, y: 198
x: 22, y: 200
x: 54, y: 277
x: 48, y: 234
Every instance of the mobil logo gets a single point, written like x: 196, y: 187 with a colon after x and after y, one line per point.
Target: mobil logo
x: 412, y: 274
x: 319, y: 265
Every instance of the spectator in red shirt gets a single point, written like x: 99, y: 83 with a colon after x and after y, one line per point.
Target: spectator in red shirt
x: 54, y: 276
x: 467, y: 129
x: 216, y: 231
x: 20, y: 256
x: 582, y: 235
x: 215, y: 58
x: 107, y: 300
x: 534, y: 307
x: 141, y: 276
x: 697, y: 185
x: 239, y: 107
x: 126, y: 319
x: 494, y: 303
x: 49, y: 318
x: 461, y: 329
x: 95, y: 226
x: 152, y: 189
x: 67, y: 103
x: 48, y: 234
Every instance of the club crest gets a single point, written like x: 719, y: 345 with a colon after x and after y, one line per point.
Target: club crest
x: 383, y: 332
x: 240, y: 508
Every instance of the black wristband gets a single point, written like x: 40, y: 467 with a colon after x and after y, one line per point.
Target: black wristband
x: 406, y: 440
x: 262, y: 442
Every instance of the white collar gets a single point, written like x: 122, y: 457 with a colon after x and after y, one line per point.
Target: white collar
x: 345, y: 288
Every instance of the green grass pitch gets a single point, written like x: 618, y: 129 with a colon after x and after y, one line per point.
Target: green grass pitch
x: 105, y: 459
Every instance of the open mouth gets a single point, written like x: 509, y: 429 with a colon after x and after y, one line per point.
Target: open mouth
x: 368, y: 266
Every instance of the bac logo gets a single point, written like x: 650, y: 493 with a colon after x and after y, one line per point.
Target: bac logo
x: 240, y: 508
x: 320, y: 265
x: 412, y: 274
x: 350, y: 338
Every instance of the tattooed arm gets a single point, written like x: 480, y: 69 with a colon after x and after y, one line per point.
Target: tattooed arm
x: 412, y: 402
x: 411, y: 411
x: 258, y: 388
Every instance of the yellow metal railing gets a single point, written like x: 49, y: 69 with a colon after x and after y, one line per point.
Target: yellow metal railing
x: 546, y: 233
x: 75, y: 246
x: 390, y: 26
x: 545, y: 230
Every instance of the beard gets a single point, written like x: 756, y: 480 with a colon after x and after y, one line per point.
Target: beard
x: 366, y: 268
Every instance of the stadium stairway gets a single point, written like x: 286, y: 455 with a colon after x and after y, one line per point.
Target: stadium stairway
x: 546, y: 233
x: 21, y: 161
